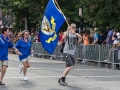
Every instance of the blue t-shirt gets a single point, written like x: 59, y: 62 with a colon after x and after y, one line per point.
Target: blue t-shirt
x: 4, y: 45
x: 110, y: 33
x: 102, y: 38
x: 24, y: 48
x: 96, y: 36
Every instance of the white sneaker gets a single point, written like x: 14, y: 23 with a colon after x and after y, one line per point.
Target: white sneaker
x: 83, y: 62
x: 25, y: 78
x: 105, y: 60
x: 20, y: 69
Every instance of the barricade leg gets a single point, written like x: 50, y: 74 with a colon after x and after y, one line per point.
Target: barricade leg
x: 113, y: 60
x: 99, y: 57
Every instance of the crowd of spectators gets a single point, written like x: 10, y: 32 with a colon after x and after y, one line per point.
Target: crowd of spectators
x: 109, y: 37
x: 106, y: 37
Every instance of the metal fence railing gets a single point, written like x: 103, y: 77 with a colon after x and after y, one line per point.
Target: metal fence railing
x: 89, y: 53
x: 39, y: 50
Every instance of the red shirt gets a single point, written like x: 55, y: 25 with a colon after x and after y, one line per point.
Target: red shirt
x: 60, y: 37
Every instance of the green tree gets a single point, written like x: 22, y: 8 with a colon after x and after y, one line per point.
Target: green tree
x: 101, y: 12
x: 33, y: 10
x: 98, y: 13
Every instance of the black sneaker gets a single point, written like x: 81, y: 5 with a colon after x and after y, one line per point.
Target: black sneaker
x: 1, y: 83
x: 117, y: 65
x: 62, y: 82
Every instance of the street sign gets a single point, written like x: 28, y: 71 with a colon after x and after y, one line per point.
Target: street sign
x: 80, y: 11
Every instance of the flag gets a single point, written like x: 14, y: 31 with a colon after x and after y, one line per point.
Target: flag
x: 52, y: 20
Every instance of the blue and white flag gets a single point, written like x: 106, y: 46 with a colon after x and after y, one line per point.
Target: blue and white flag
x: 53, y: 19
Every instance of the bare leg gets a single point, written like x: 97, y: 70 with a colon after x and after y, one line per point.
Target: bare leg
x: 28, y: 64
x: 3, y: 72
x: 66, y: 71
x: 110, y: 52
x: 24, y: 68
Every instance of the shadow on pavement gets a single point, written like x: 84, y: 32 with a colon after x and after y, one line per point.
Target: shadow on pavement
x: 68, y: 87
x: 3, y: 87
x: 26, y: 84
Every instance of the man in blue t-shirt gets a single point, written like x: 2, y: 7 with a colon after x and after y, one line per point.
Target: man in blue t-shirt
x: 109, y: 40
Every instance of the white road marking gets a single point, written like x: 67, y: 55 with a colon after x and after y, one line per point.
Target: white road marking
x: 100, y: 76
x: 67, y: 76
x: 41, y: 61
x: 44, y: 77
x: 60, y: 69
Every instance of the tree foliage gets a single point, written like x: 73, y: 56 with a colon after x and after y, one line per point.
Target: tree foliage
x: 32, y: 9
x: 97, y: 13
x: 102, y: 13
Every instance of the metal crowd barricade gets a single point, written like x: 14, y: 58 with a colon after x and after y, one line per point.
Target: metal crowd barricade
x: 36, y: 48
x: 89, y: 52
x: 39, y: 50
x: 94, y: 53
x: 78, y: 52
x: 104, y: 52
x: 58, y: 53
x: 116, y: 57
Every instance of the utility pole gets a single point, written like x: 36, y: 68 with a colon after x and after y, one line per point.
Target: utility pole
x: 82, y: 20
x: 25, y: 23
x: 27, y: 17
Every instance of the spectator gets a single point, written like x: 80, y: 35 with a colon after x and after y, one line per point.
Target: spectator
x: 106, y: 31
x: 80, y: 40
x: 60, y: 36
x: 33, y: 30
x: 96, y: 37
x: 11, y: 40
x: 38, y: 37
x: 15, y: 39
x: 114, y: 46
x: 35, y: 39
x: 118, y: 35
x: 115, y: 33
x: 102, y: 38
x: 109, y: 40
x: 86, y: 39
x: 86, y: 42
x: 11, y: 32
x: 61, y: 41
x: 31, y: 36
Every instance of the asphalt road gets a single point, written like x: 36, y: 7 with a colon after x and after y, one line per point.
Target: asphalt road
x: 44, y: 74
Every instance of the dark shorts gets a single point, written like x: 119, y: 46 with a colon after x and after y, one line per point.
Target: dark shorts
x: 70, y: 59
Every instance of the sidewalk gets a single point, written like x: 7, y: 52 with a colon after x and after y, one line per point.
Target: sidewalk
x: 33, y: 59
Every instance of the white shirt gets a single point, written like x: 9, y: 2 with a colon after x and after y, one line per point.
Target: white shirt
x: 116, y: 42
x: 118, y: 35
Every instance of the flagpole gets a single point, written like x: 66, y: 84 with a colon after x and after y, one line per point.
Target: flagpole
x: 61, y: 11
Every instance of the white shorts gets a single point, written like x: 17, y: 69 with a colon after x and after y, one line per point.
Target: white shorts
x: 26, y: 59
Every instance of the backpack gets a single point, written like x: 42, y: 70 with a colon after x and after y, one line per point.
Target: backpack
x: 63, y: 45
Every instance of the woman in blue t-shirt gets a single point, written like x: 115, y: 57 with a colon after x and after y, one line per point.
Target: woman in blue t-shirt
x: 5, y: 43
x: 24, y: 46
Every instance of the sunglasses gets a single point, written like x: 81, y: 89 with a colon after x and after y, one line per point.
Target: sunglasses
x: 73, y: 27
